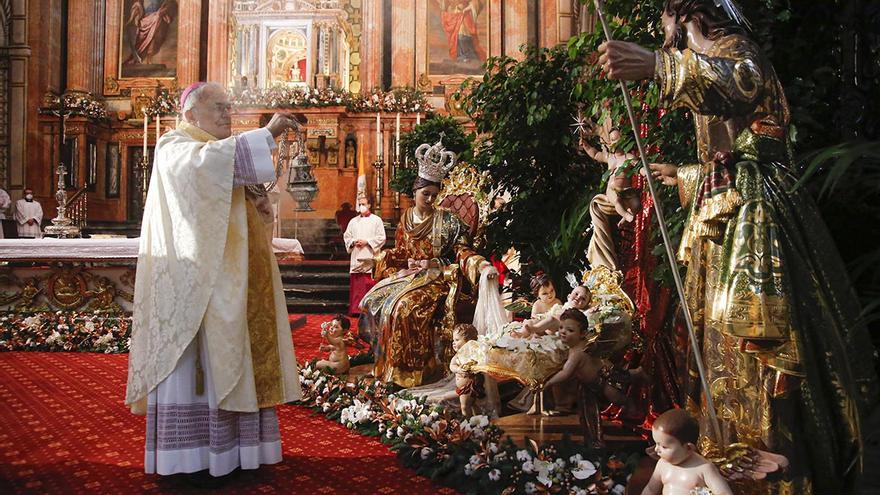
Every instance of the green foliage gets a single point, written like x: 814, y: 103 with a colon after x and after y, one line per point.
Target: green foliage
x: 525, y: 110
x: 430, y: 131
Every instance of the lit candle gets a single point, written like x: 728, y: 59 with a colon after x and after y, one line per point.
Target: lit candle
x: 158, y: 128
x: 418, y: 118
x: 146, y: 122
x: 378, y: 137
x: 397, y: 136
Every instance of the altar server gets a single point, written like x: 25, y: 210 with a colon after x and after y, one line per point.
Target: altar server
x: 28, y: 215
x: 364, y: 238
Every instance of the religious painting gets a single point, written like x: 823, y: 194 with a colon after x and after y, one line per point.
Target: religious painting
x: 457, y: 36
x: 111, y: 178
x: 91, y: 164
x: 148, y: 39
x: 287, y: 55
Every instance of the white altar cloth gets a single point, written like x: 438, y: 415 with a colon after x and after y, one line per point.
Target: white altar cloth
x: 51, y: 249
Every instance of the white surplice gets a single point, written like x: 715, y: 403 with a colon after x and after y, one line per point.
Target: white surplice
x: 28, y: 210
x: 370, y: 229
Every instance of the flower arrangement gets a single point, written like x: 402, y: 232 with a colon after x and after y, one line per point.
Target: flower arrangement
x: 465, y: 453
x: 65, y: 331
x: 402, y: 100
x: 166, y: 102
x: 75, y: 103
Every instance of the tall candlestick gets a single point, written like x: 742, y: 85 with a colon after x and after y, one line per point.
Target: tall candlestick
x: 397, y: 136
x: 146, y: 122
x: 378, y: 137
x: 418, y: 118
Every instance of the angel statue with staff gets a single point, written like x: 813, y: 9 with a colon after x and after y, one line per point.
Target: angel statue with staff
x: 785, y: 361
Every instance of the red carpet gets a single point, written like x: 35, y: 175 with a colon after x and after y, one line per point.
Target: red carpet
x: 64, y: 429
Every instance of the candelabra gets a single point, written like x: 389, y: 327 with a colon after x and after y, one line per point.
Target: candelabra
x: 62, y: 227
x: 379, y: 165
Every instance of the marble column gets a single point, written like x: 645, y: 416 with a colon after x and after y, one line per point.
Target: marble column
x: 188, y: 33
x: 85, y: 46
x: 218, y: 36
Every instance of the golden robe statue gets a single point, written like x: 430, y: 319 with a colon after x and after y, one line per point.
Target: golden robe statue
x: 409, y: 314
x: 789, y: 367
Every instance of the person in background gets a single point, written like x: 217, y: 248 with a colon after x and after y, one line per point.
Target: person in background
x: 363, y: 238
x: 28, y: 215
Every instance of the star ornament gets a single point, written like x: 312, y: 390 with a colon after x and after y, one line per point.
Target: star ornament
x: 580, y: 125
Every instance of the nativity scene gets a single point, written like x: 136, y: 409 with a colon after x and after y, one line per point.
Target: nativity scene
x: 345, y: 246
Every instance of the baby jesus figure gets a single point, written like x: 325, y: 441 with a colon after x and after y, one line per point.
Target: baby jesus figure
x: 681, y: 470
x: 579, y: 299
x: 618, y: 193
x: 468, y: 385
x: 334, y: 333
x: 545, y: 293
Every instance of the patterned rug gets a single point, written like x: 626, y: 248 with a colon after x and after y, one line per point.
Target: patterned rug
x: 64, y: 429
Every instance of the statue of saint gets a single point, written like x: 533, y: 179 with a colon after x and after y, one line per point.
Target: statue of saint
x: 789, y: 363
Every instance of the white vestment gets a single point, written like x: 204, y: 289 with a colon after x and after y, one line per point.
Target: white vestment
x: 192, y: 280
x: 5, y: 201
x: 370, y: 229
x: 28, y: 210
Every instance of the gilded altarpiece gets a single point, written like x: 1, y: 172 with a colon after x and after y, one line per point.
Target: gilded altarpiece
x: 294, y: 43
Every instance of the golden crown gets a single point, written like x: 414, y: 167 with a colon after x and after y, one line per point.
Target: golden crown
x: 434, y: 161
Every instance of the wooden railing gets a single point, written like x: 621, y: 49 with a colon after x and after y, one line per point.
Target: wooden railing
x: 77, y: 208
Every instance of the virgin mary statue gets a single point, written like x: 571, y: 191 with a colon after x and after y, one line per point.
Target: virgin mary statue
x: 409, y: 314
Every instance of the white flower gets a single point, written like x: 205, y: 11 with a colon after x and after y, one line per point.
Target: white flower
x: 697, y: 491
x: 559, y: 463
x: 55, y: 336
x: 400, y: 431
x: 426, y: 451
x: 584, y: 470
x: 90, y: 326
x: 576, y: 490
x: 468, y: 469
x: 478, y: 433
x: 493, y: 447
x: 494, y: 475
x: 531, y: 488
x: 619, y: 489
x: 523, y: 455
x: 544, y: 468
x: 390, y: 433
x: 326, y: 406
x: 575, y: 459
x: 528, y: 467
x: 479, y: 421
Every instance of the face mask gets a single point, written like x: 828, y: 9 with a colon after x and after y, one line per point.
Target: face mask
x: 29, y: 197
x: 362, y: 209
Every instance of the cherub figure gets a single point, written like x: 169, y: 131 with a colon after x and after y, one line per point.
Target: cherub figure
x: 545, y: 292
x: 468, y: 385
x: 579, y: 298
x: 334, y: 333
x: 618, y: 193
x: 681, y: 470
x: 584, y: 366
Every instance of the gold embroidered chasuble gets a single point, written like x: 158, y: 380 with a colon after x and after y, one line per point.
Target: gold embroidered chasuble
x: 205, y: 267
x: 788, y: 364
x: 409, y: 314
